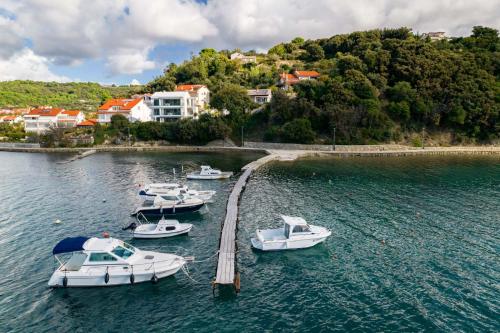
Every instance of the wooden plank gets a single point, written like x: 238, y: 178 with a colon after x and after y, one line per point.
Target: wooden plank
x: 227, y: 249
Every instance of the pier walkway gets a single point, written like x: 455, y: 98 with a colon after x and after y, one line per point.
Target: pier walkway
x: 226, y: 265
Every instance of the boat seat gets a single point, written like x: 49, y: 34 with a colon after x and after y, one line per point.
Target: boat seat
x: 75, y: 262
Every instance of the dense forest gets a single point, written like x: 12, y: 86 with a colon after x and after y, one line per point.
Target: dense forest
x: 74, y: 95
x: 375, y: 86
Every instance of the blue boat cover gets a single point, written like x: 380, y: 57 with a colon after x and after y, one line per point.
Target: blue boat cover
x: 70, y: 244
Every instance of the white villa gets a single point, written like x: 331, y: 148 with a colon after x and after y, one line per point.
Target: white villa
x: 42, y: 119
x: 187, y: 101
x: 172, y: 105
x: 243, y: 58
x: 199, y: 92
x: 133, y: 109
x: 260, y: 96
x: 11, y: 119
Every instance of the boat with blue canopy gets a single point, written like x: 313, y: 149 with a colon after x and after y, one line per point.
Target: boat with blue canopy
x: 109, y: 262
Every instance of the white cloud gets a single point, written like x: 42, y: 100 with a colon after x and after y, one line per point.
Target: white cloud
x: 134, y: 82
x: 263, y: 23
x: 129, y: 62
x: 25, y: 65
x: 122, y: 32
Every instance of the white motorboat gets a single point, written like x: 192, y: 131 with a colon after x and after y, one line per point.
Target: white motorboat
x: 207, y: 172
x: 109, y: 262
x: 152, y: 190
x: 164, y: 228
x: 169, y: 204
x: 295, y: 234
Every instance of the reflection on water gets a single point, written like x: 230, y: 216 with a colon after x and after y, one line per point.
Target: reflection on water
x: 414, y: 246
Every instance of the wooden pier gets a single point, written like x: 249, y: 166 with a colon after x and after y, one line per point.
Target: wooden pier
x: 227, y: 273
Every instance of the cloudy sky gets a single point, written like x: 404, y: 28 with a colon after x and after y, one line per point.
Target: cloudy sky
x: 117, y: 41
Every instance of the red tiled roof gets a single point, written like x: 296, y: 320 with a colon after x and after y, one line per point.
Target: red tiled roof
x: 66, y: 120
x: 189, y: 87
x: 86, y: 123
x: 45, y: 112
x: 289, y: 78
x: 72, y: 113
x: 113, y: 112
x: 9, y: 118
x: 125, y: 104
x: 307, y: 73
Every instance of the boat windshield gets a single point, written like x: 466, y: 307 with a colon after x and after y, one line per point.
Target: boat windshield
x: 122, y: 252
x: 301, y: 228
x: 170, y: 197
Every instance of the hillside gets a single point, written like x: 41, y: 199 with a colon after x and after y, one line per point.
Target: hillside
x: 375, y: 86
x: 82, y: 96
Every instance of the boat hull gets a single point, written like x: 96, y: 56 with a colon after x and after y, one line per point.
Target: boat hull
x: 117, y: 276
x: 286, y: 244
x: 160, y: 211
x: 195, y: 176
x: 150, y: 235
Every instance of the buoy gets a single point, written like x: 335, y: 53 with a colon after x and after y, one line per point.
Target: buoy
x: 105, y: 234
x: 65, y: 281
x: 103, y: 200
x: 57, y: 221
x: 382, y: 241
x: 106, y: 277
x: 154, y: 279
x: 132, y: 278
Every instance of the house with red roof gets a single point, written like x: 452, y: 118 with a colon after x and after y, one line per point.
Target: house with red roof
x: 199, y: 92
x: 87, y: 123
x: 287, y: 79
x: 44, y: 118
x: 13, y: 119
x: 134, y: 109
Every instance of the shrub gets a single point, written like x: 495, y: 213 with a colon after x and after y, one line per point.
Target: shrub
x: 298, y: 131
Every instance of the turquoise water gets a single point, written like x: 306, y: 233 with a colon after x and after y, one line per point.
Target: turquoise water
x: 415, y: 246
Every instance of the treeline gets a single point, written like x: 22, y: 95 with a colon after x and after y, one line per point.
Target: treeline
x: 81, y: 96
x: 186, y: 131
x: 375, y: 86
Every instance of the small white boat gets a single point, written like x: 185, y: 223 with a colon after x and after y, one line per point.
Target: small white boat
x: 164, y: 228
x: 100, y: 262
x: 207, y: 172
x: 295, y: 234
x: 152, y: 190
x: 169, y: 204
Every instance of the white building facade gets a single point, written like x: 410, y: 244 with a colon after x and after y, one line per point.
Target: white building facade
x: 172, y: 105
x: 133, y: 109
x: 42, y: 119
x: 260, y: 96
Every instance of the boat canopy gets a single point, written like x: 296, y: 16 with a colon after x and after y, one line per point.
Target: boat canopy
x: 294, y: 220
x: 70, y: 244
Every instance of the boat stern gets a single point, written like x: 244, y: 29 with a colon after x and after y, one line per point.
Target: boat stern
x: 257, y: 244
x: 57, y: 279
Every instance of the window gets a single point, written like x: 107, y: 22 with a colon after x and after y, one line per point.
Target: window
x: 287, y: 231
x: 157, y: 112
x: 122, y: 252
x: 101, y: 256
x: 172, y: 112
x: 156, y: 102
x: 170, y: 197
x: 301, y: 228
x: 172, y: 102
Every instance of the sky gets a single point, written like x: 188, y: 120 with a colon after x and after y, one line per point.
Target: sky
x: 123, y: 41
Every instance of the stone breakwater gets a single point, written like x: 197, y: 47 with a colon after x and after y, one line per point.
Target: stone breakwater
x: 285, y: 154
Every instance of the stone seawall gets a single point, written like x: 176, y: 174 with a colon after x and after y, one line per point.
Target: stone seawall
x: 346, y: 151
x: 294, y: 146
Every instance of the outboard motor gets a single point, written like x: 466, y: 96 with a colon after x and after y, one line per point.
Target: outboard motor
x: 132, y: 226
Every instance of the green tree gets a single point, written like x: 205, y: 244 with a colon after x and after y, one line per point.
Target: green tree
x: 298, y: 131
